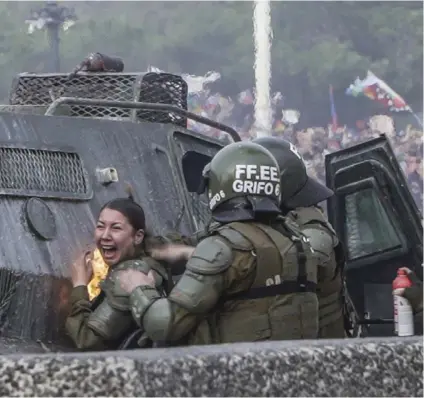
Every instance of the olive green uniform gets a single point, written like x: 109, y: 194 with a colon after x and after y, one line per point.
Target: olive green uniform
x: 106, y: 321
x: 246, y: 280
x: 323, y: 239
x: 242, y: 283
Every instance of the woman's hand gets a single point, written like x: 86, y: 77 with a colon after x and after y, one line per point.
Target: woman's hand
x: 82, y: 270
x: 131, y: 278
x: 172, y: 253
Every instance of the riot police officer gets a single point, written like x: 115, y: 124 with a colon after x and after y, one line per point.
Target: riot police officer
x: 300, y: 197
x: 246, y: 281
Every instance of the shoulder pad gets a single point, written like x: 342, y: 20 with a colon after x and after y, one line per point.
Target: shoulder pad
x: 310, y: 216
x: 320, y: 240
x: 115, y: 295
x: 236, y: 239
x: 211, y: 256
x: 194, y: 239
x: 138, y: 264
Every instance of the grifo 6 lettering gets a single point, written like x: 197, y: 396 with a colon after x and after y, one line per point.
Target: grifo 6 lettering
x: 216, y: 198
x: 256, y: 180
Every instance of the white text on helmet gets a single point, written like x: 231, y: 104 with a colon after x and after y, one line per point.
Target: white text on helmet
x: 251, y: 172
x: 256, y: 187
x: 216, y: 199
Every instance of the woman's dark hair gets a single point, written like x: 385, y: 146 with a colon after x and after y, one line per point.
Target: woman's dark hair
x: 129, y: 208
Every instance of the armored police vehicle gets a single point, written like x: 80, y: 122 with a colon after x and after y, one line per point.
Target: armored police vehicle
x: 67, y: 146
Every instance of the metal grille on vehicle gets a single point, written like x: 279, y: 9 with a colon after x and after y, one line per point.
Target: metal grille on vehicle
x: 39, y: 89
x: 35, y: 172
x: 164, y: 88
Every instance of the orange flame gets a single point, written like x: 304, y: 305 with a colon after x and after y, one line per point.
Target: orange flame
x: 100, y: 269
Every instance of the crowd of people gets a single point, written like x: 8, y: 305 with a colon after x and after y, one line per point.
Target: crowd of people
x: 314, y: 142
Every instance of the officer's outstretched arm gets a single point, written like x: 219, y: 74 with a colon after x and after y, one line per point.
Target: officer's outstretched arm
x: 195, y: 294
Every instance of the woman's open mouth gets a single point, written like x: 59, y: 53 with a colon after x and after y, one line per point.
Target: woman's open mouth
x: 109, y: 253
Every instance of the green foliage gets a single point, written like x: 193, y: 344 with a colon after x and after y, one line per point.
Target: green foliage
x: 315, y: 43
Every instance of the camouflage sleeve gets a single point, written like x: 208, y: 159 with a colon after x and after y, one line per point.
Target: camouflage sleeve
x: 177, y: 268
x: 84, y: 338
x: 171, y: 237
x: 178, y: 238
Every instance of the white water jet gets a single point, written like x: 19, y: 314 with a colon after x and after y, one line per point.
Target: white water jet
x: 262, y: 35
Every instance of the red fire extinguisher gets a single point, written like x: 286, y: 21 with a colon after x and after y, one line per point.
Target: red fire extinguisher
x: 403, y: 314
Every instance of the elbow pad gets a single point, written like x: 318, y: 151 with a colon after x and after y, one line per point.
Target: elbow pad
x: 141, y: 298
x: 151, y: 312
x: 158, y: 319
x: 109, y: 322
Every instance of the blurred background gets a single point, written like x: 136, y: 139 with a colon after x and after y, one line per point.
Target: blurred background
x: 342, y: 72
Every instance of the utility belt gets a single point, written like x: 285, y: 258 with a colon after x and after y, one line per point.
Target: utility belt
x: 286, y: 287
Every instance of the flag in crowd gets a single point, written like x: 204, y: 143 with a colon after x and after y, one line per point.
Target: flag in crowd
x: 378, y: 90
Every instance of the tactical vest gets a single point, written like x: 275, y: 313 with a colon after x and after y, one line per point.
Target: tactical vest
x: 280, y: 303
x: 111, y: 317
x: 330, y: 277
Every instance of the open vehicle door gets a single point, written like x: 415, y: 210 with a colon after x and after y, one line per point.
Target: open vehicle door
x: 379, y: 223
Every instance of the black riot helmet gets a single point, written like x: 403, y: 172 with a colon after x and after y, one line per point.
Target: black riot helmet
x: 297, y: 188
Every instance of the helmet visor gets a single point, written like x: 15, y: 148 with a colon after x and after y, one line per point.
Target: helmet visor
x: 312, y: 193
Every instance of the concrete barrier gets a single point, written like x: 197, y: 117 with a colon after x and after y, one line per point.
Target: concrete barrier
x: 363, y: 367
